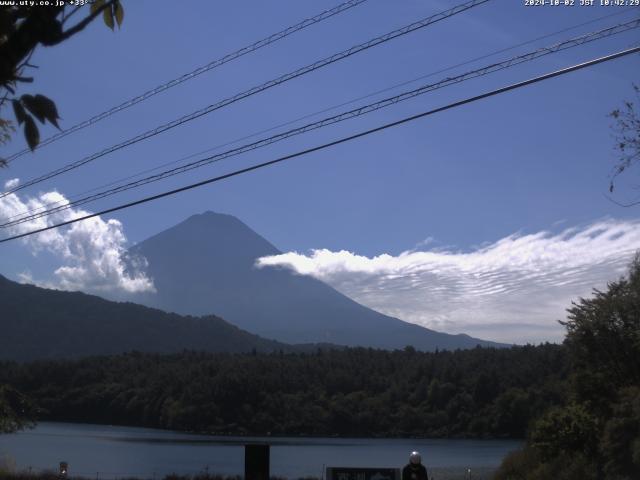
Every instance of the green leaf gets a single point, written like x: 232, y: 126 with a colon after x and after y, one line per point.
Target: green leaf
x: 31, y: 132
x: 107, y: 14
x: 96, y: 5
x: 42, y: 108
x: 119, y: 12
x: 18, y: 109
x: 29, y: 101
x: 48, y: 108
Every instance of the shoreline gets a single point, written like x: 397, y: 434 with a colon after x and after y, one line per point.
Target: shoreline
x: 225, y: 435
x: 436, y: 473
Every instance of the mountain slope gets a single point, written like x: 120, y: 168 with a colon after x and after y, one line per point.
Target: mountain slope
x: 206, y: 264
x: 36, y: 323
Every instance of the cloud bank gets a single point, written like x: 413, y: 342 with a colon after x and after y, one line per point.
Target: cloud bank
x: 92, y: 253
x: 512, y: 290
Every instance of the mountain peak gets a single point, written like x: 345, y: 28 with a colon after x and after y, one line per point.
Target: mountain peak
x: 209, y: 216
x: 211, y: 233
x: 212, y: 214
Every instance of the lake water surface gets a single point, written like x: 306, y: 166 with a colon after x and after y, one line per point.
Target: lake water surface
x: 114, y: 452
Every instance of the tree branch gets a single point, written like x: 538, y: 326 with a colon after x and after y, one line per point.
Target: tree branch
x: 78, y: 27
x: 67, y: 17
x: 23, y: 40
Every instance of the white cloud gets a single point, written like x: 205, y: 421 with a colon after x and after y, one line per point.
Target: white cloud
x: 92, y: 252
x: 11, y: 184
x: 512, y: 290
x: 26, y: 278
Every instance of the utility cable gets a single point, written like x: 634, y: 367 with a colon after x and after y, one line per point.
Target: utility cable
x: 194, y: 73
x: 252, y: 91
x: 310, y: 115
x: 581, y: 40
x: 324, y: 146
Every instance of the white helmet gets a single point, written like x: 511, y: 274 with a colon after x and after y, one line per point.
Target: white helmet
x: 415, y: 458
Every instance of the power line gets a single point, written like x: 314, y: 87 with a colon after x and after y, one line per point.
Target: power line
x: 252, y: 91
x: 492, y: 68
x: 198, y: 71
x: 310, y: 115
x: 491, y: 93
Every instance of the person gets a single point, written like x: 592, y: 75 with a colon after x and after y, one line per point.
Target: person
x: 414, y: 469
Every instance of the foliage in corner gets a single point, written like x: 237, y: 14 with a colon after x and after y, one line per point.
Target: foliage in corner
x: 626, y: 130
x: 596, y: 434
x: 22, y: 29
x: 16, y: 410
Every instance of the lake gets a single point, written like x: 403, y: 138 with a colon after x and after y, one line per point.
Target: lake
x: 113, y: 452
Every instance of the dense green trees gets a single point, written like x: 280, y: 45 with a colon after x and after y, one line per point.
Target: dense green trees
x: 596, y: 432
x: 480, y: 392
x: 16, y: 410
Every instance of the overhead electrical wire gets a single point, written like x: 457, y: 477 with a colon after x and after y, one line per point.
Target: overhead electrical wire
x: 333, y: 143
x: 194, y: 73
x: 492, y: 68
x: 252, y: 91
x: 310, y: 115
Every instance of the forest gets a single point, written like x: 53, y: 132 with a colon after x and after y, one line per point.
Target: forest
x: 483, y: 392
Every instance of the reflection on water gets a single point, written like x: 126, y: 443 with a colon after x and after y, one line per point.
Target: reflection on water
x: 111, y: 452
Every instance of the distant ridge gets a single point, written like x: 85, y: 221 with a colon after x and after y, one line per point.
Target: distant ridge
x: 206, y: 264
x: 37, y: 323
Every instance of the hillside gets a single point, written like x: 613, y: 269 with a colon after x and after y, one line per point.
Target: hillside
x: 38, y: 323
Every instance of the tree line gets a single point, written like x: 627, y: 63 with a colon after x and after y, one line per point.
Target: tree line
x: 483, y: 392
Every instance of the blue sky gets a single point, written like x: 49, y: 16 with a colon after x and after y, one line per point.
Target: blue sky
x: 530, y: 161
